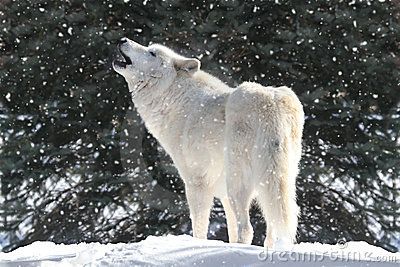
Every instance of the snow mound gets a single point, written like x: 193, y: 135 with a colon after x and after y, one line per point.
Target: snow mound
x: 185, y: 250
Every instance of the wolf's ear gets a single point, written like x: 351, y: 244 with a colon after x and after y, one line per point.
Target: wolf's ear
x: 189, y: 65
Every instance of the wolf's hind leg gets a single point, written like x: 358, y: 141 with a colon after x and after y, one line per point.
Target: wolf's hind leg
x: 240, y: 196
x: 240, y: 202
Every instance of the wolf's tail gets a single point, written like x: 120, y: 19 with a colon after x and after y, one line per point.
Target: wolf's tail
x: 276, y: 157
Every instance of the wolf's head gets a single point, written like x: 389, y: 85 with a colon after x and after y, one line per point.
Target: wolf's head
x: 155, y: 65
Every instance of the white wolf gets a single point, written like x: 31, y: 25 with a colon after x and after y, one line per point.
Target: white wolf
x: 236, y: 144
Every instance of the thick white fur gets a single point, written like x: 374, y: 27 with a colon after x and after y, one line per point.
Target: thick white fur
x: 236, y: 144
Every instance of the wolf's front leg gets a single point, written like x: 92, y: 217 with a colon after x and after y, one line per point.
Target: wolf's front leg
x: 231, y: 220
x: 200, y: 198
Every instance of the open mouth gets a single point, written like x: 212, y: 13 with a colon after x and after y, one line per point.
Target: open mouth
x: 124, y: 61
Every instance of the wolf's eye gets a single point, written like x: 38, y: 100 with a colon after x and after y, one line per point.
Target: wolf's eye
x: 152, y: 53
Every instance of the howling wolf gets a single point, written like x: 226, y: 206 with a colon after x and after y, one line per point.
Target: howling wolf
x: 236, y: 144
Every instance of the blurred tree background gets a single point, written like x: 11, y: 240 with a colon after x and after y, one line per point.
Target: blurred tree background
x: 77, y: 164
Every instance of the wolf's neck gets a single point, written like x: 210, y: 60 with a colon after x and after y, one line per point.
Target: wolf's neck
x: 159, y: 107
x: 156, y: 105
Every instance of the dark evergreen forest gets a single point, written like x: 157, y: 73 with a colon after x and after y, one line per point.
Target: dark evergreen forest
x: 77, y: 163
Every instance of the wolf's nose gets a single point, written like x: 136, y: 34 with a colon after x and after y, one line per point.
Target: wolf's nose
x: 122, y: 40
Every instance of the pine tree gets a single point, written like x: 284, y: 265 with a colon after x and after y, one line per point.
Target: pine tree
x: 77, y: 164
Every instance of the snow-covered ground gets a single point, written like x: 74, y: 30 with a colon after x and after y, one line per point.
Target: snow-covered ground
x: 188, y: 251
